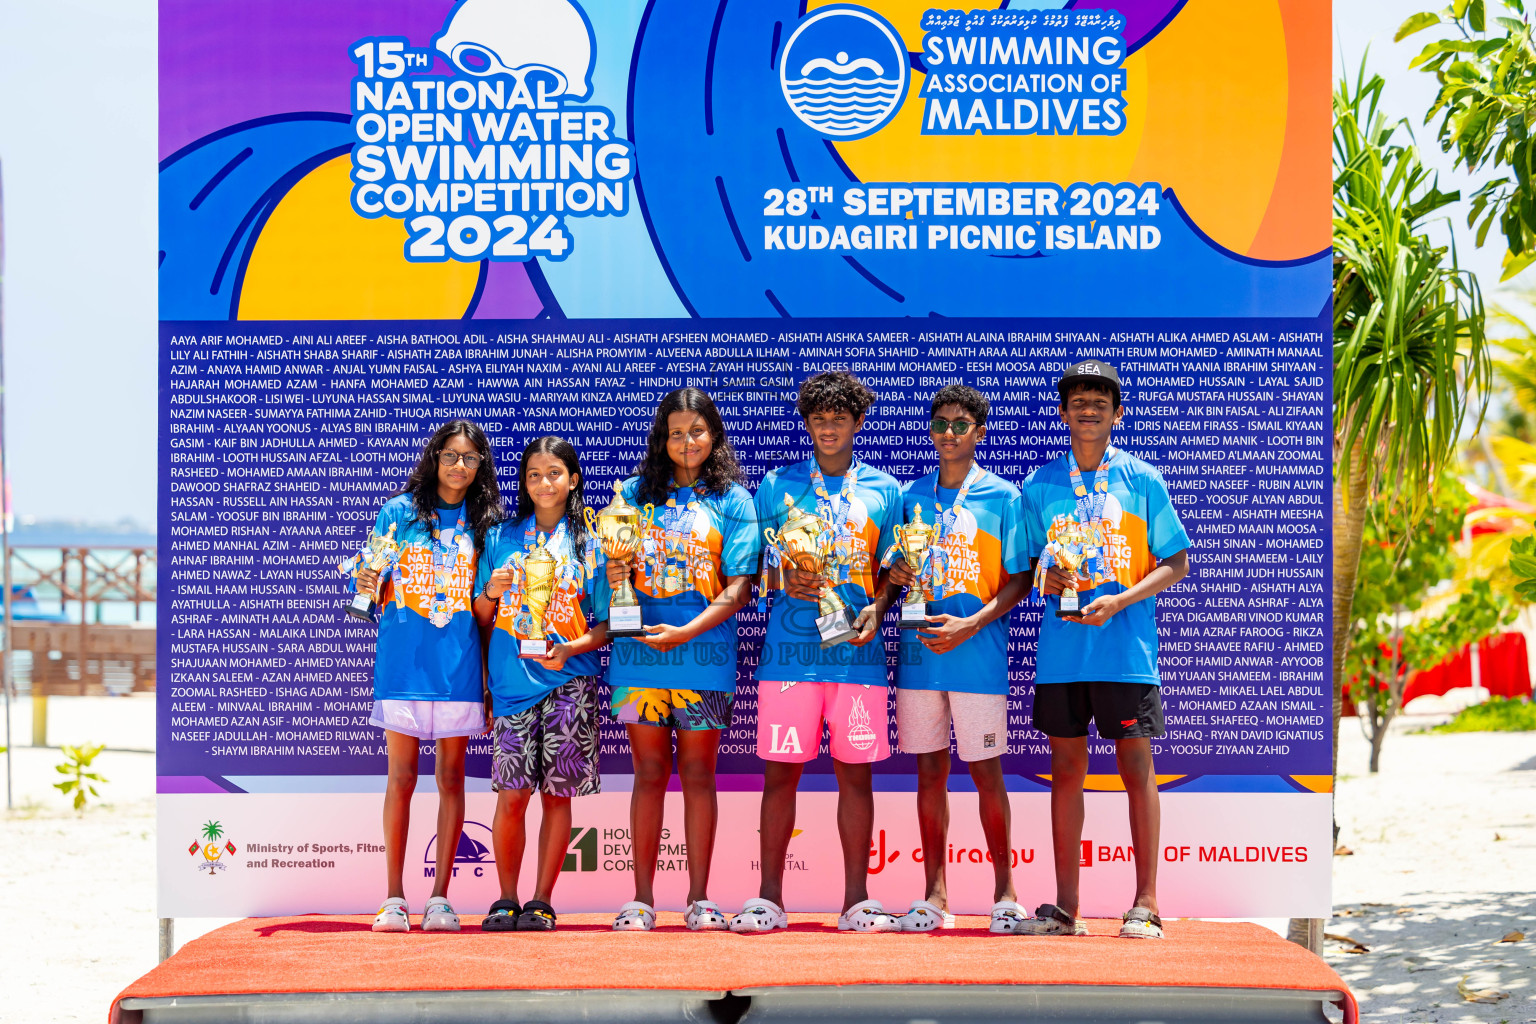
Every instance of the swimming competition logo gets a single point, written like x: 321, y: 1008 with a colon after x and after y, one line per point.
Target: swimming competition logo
x: 490, y: 161
x: 844, y: 72
x: 208, y: 846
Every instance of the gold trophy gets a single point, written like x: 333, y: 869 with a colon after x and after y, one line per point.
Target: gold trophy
x: 378, y: 554
x: 620, y: 527
x: 805, y: 542
x: 538, y: 586
x: 914, y: 539
x: 1070, y: 556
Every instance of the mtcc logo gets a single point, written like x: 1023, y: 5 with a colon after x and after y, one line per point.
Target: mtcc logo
x: 473, y: 852
x: 844, y: 72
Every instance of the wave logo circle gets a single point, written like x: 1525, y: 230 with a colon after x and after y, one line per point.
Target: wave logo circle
x: 844, y: 72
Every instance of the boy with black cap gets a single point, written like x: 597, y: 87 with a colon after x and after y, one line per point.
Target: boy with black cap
x: 1102, y: 522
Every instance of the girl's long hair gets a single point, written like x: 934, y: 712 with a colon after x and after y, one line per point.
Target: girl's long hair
x: 562, y: 450
x: 483, y: 506
x: 720, y: 469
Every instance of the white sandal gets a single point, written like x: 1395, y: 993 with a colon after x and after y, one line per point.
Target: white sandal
x: 758, y: 916
x: 635, y: 916
x: 867, y: 916
x: 705, y: 916
x: 1008, y: 918
x: 439, y: 916
x: 393, y: 916
x: 925, y: 917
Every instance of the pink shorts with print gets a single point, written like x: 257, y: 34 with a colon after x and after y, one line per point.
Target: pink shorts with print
x: 789, y: 717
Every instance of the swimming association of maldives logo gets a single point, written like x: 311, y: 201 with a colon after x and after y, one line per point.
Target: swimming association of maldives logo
x: 208, y: 845
x: 844, y: 72
x: 489, y: 161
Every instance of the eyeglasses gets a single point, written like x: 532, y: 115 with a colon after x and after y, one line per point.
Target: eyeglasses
x: 960, y: 427
x: 447, y: 458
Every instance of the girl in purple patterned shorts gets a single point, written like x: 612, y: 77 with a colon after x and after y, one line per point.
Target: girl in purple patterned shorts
x: 543, y: 691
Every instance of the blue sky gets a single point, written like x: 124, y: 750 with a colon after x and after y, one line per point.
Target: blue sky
x: 78, y: 155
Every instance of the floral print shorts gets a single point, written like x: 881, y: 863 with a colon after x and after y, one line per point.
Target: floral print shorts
x: 688, y: 710
x: 552, y: 746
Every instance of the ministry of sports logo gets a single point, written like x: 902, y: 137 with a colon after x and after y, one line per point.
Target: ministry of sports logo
x: 844, y: 72
x: 212, y: 852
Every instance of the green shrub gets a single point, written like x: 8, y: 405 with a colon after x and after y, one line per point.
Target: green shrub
x: 1499, y: 714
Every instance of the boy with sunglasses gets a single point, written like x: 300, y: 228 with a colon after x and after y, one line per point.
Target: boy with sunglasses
x: 1099, y: 661
x: 953, y: 671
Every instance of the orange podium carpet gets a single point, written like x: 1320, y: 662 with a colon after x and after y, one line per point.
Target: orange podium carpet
x: 329, y: 958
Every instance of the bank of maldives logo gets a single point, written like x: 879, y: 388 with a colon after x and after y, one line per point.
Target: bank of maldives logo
x: 209, y: 847
x: 844, y: 72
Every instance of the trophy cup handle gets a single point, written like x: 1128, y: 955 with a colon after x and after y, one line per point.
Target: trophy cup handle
x: 771, y: 536
x: 648, y: 515
x: 589, y: 517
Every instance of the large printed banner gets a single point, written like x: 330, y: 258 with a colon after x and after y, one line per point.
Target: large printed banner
x: 546, y: 214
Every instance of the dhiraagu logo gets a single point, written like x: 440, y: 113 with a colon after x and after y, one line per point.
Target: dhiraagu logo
x: 489, y: 161
x: 844, y: 72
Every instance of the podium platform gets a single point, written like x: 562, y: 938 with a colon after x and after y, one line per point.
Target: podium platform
x: 327, y: 969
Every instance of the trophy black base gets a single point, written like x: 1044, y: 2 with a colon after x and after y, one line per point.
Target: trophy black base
x: 835, y: 628
x: 1075, y: 614
x: 534, y: 649
x: 914, y: 615
x: 624, y: 620
x: 364, y: 609
x: 1071, y: 606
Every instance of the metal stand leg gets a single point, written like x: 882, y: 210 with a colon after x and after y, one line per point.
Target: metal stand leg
x: 167, y: 938
x: 1307, y: 932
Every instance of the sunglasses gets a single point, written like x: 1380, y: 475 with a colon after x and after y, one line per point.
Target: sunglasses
x: 959, y: 427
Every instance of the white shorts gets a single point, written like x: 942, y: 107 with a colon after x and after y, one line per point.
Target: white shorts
x: 923, y: 719
x: 429, y: 719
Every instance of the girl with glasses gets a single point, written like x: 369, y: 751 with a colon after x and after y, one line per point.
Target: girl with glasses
x: 427, y: 678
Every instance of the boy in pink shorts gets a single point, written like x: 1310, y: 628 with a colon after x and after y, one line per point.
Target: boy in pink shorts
x: 800, y: 683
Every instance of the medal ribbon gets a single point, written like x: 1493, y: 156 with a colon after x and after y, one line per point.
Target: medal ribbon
x: 677, y: 528
x: 947, y: 519
x: 1090, y: 507
x: 837, y: 513
x: 445, y: 562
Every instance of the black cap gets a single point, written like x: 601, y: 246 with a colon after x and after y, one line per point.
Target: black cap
x: 1090, y: 370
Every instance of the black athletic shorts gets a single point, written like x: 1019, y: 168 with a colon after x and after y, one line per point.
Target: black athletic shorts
x: 1122, y: 710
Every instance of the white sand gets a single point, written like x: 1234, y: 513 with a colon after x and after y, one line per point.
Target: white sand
x: 80, y: 891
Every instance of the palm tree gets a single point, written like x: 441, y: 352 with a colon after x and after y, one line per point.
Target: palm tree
x: 1410, y: 358
x: 212, y: 830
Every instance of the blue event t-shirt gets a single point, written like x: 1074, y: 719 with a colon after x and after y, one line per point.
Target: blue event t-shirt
x: 517, y: 684
x: 1143, y: 529
x: 416, y: 660
x: 724, y: 541
x: 984, y: 548
x: 792, y: 649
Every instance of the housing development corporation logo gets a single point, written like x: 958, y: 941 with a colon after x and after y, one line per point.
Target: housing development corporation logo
x: 844, y: 72
x: 212, y: 852
x: 489, y: 161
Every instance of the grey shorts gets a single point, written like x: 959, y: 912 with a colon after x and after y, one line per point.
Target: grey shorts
x: 980, y: 720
